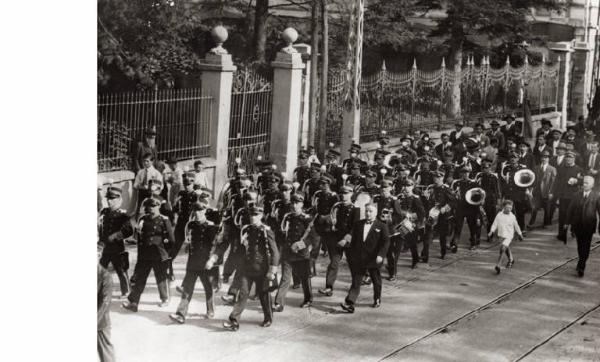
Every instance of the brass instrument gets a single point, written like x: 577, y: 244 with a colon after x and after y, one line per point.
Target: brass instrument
x: 475, y: 196
x: 524, y: 178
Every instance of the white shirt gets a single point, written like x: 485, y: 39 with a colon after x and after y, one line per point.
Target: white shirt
x: 506, y: 225
x: 366, y: 230
x: 586, y: 194
x: 145, y: 175
x: 592, y: 160
x: 559, y: 159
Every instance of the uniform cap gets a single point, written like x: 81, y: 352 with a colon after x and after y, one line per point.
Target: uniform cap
x: 286, y: 186
x: 151, y: 202
x: 407, y: 182
x: 355, y: 147
x: 464, y: 169
x: 113, y: 192
x: 437, y: 174
x: 570, y: 154
x: 370, y: 173
x: 297, y: 198
x: 346, y: 189
x: 509, y: 116
x: 199, y: 205
x: 255, y: 210
x: 545, y: 121
x: 333, y: 153
x: 545, y: 153
x: 494, y: 123
x: 303, y: 155
x: 355, y: 166
x: 325, y: 179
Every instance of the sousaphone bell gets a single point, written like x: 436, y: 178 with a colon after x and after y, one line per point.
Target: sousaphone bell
x: 475, y: 196
x: 524, y: 178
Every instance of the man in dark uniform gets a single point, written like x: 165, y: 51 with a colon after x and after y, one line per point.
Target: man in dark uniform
x: 513, y: 192
x: 334, y: 169
x: 368, y: 246
x: 322, y: 201
x: 583, y: 219
x: 567, y: 183
x: 354, y: 151
x: 409, y: 156
x: 441, y: 197
x: 496, y: 133
x: 106, y: 351
x: 154, y: 231
x: 295, y: 253
x: 182, y: 209
x: 456, y: 135
x: 385, y: 213
x: 344, y: 215
x: 302, y: 172
x: 203, y: 257
x: 490, y: 183
x: 370, y: 186
x: 270, y: 193
x: 355, y: 178
x: 423, y: 176
x: 466, y: 210
x: 408, y: 207
x: 114, y: 226
x: 525, y: 156
x: 258, y: 266
x: 312, y: 185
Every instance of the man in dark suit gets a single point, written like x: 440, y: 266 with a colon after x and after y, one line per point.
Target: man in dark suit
x: 583, y: 219
x: 106, y: 352
x: 495, y: 132
x: 443, y: 146
x: 545, y: 176
x: 511, y: 129
x: 545, y: 130
x: 585, y: 148
x: 368, y: 246
x: 591, y: 163
x: 567, y: 183
x: 554, y: 141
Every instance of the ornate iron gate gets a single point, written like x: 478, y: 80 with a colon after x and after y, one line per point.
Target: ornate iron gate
x: 250, y: 120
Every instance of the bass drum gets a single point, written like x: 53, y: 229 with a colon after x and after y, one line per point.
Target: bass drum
x: 362, y: 199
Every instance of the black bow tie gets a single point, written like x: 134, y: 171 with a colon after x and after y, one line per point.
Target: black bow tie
x: 368, y: 222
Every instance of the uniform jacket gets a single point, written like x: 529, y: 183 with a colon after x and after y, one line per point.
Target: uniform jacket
x: 537, y: 152
x: 510, y: 189
x: 583, y: 213
x: 301, y: 174
x: 561, y: 187
x: 203, y: 243
x: 513, y: 130
x: 409, y: 204
x: 345, y: 215
x: 260, y: 251
x: 363, y: 252
x: 500, y: 137
x: 441, y: 148
x: 104, y: 295
x: 154, y: 230
x: 114, y: 227
x: 294, y: 228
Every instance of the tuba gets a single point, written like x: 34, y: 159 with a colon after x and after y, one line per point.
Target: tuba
x: 391, y: 160
x: 524, y: 178
x: 475, y: 196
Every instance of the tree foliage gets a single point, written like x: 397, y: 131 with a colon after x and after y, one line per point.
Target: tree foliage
x: 146, y: 42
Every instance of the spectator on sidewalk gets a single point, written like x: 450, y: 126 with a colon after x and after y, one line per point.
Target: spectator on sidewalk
x: 505, y: 225
x: 200, y: 180
x: 148, y: 145
x: 144, y: 177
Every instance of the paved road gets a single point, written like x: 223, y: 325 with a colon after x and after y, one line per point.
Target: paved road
x: 449, y: 310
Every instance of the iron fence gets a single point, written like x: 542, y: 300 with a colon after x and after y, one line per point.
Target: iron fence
x: 250, y: 119
x: 402, y: 102
x: 181, y: 118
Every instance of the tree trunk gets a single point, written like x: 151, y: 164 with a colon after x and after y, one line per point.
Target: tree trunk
x: 323, y: 110
x: 314, y: 70
x: 261, y: 14
x: 454, y: 110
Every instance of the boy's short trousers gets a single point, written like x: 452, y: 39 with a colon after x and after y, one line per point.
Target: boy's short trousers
x: 506, y: 241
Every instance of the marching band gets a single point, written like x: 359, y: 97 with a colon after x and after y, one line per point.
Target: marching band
x: 420, y: 191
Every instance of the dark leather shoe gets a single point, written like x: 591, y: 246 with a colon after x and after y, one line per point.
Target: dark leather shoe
x: 424, y: 260
x: 443, y: 256
x: 306, y: 304
x: 177, y: 318
x: 376, y: 303
x: 392, y: 278
x: 347, y: 307
x: 497, y: 268
x: 326, y: 292
x: 179, y: 289
x: 453, y: 248
x: 366, y: 281
x: 510, y: 263
x: 580, y: 273
x: 277, y: 308
x: 130, y: 306
x: 414, y: 265
x: 231, y: 325
x: 163, y: 303
x: 210, y: 314
x: 266, y: 323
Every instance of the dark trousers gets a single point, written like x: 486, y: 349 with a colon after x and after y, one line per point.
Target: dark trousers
x: 521, y: 208
x: 141, y: 273
x: 358, y: 273
x: 106, y: 351
x: 443, y: 229
x: 563, y: 209
x: 232, y: 262
x: 117, y: 262
x: 263, y: 295
x: 335, y: 256
x: 179, y: 239
x: 471, y: 213
x: 411, y: 240
x: 490, y: 212
x: 189, y: 282
x: 302, y: 270
x: 584, y: 241
x: 545, y: 204
x: 392, y: 254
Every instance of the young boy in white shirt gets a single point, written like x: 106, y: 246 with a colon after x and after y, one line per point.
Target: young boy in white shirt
x: 506, y: 225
